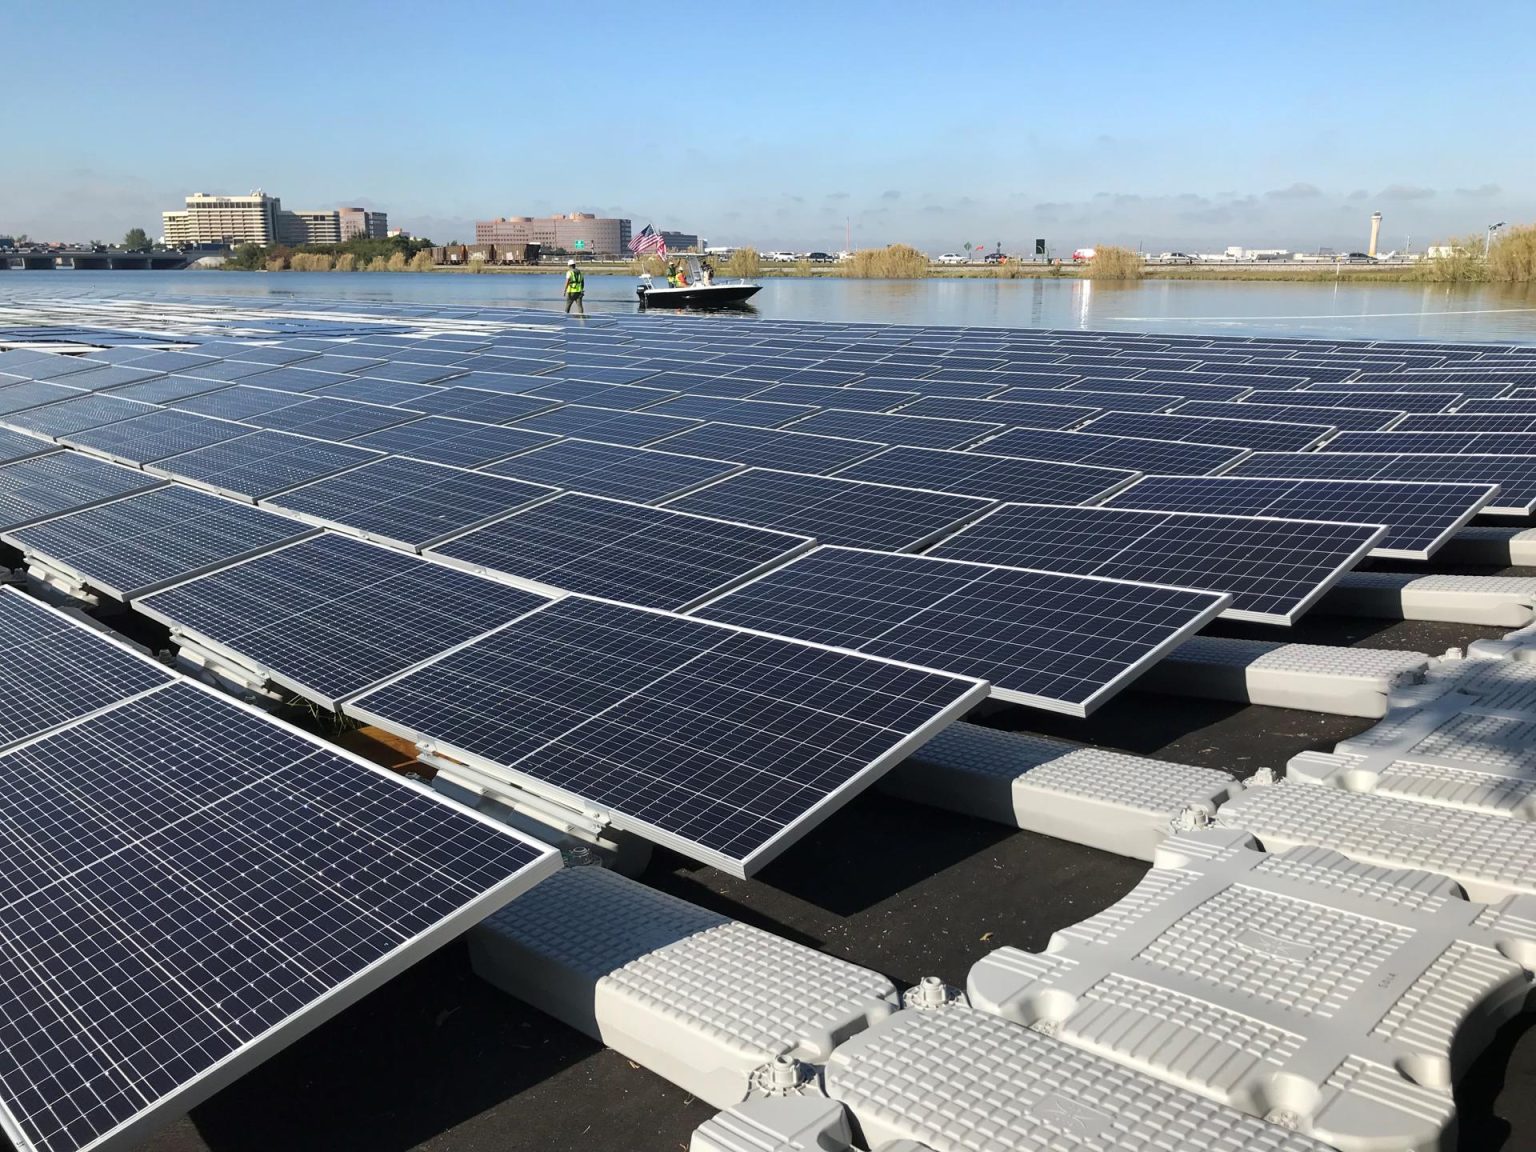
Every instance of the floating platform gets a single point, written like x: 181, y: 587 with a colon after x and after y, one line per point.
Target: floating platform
x: 1495, y: 601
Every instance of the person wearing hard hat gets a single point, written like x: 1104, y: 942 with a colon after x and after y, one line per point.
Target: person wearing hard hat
x: 575, y: 288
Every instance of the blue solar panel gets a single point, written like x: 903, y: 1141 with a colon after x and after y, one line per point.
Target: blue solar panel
x: 240, y: 402
x: 74, y: 415
x: 723, y: 410
x: 110, y: 376
x: 330, y: 615
x: 44, y: 486
x: 326, y: 418
x: 1394, y: 401
x: 1108, y: 401
x: 906, y: 431
x: 444, y: 440
x: 128, y: 547
x: 788, y: 449
x: 989, y: 477
x: 479, y: 404
x: 1265, y: 435
x: 154, y: 436
x: 19, y: 446
x: 1419, y: 517
x: 1463, y: 421
x: 609, y: 425
x: 167, y: 389
x: 1274, y: 569
x: 260, y: 464
x: 1156, y: 387
x: 372, y: 391
x: 712, y: 720
x: 408, y: 502
x: 406, y: 372
x: 1059, y: 642
x: 1513, y: 404
x: 832, y: 510
x: 1062, y: 411
x: 594, y: 394
x: 845, y: 399
x: 20, y: 397
x: 654, y: 557
x: 1112, y: 451
x: 1515, y: 475
x: 644, y: 475
x: 1349, y: 419
x: 1440, y: 443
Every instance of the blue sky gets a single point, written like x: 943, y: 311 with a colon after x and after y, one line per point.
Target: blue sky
x: 1188, y: 125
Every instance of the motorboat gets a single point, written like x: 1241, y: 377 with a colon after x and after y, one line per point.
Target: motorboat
x: 700, y: 290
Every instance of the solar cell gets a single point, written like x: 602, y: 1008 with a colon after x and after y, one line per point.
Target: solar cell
x: 260, y: 464
x: 788, y: 449
x: 300, y: 379
x: 461, y: 443
x: 129, y: 547
x: 74, y: 415
x: 50, y: 366
x: 330, y: 615
x: 407, y: 502
x: 1463, y: 421
x: 1062, y: 411
x: 898, y: 429
x: 410, y: 372
x: 1515, y: 475
x: 595, y: 394
x: 989, y: 477
x: 640, y: 474
x: 373, y: 391
x: 1111, y: 451
x: 239, y: 402
x: 211, y: 884
x: 1155, y: 387
x: 167, y: 389
x: 1274, y: 569
x: 479, y: 404
x: 834, y: 511
x: 327, y: 418
x: 1268, y: 435
x: 1419, y: 516
x: 19, y: 446
x: 654, y: 557
x: 226, y: 371
x: 110, y: 376
x: 43, y: 486
x: 34, y: 394
x: 733, y: 744
x: 155, y: 435
x: 723, y: 410
x: 1392, y: 401
x: 826, y: 396
x: 1059, y: 642
x: 610, y: 425
x: 1513, y: 404
x: 1109, y: 401
x: 1348, y: 419
x: 1439, y: 443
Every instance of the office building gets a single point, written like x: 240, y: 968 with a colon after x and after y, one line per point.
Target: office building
x: 262, y: 219
x: 680, y: 241
x: 577, y: 232
x: 361, y: 222
x: 306, y: 227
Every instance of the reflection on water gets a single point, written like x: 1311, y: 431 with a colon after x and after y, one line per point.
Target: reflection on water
x: 1343, y: 310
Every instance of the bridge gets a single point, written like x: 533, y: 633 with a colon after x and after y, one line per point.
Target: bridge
x: 91, y: 259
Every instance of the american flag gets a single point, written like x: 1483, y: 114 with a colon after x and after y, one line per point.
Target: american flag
x: 648, y: 240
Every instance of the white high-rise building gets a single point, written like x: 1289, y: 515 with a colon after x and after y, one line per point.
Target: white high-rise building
x: 262, y: 219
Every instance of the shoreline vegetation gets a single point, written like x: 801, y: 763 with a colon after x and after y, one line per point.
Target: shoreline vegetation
x: 1510, y: 259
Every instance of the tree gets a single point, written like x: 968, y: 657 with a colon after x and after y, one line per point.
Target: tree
x: 137, y: 240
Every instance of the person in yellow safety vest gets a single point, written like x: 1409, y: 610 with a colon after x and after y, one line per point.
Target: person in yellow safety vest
x: 671, y: 275
x: 575, y: 288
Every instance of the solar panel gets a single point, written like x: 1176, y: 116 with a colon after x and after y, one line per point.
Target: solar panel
x: 617, y: 550
x: 411, y: 372
x: 56, y: 671
x: 239, y: 402
x: 723, y: 410
x: 20, y: 397
x: 326, y: 418
x: 595, y: 394
x: 1419, y: 517
x: 1392, y: 401
x: 610, y: 425
x: 1463, y: 421
x: 1348, y: 419
x: 1515, y: 475
x: 640, y: 474
x: 19, y: 446
x: 989, y: 477
x: 265, y: 354
x: 1109, y: 401
x: 1112, y: 451
x: 734, y: 744
x: 49, y: 366
x: 260, y: 464
x: 1274, y: 569
x: 44, y: 486
x: 479, y: 404
x: 1061, y: 412
x: 898, y: 429
x: 1059, y: 642
x: 1512, y: 404
x: 832, y: 510
x: 226, y: 371
x: 407, y: 502
x: 372, y: 391
x: 129, y: 547
x: 167, y: 389
x: 155, y: 435
x: 330, y: 615
x: 898, y: 377
x: 1266, y: 435
x: 774, y: 448
x: 74, y: 415
x: 1157, y: 387
x: 300, y: 379
x: 1438, y: 443
x: 212, y: 884
x: 461, y: 443
x: 846, y: 399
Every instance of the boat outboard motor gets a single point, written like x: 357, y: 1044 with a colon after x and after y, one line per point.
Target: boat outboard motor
x: 642, y: 288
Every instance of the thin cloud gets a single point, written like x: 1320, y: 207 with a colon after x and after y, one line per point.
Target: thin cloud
x: 1480, y: 190
x: 892, y: 194
x: 1405, y: 192
x: 1297, y: 191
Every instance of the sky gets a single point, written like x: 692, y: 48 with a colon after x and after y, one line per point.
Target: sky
x: 1166, y: 126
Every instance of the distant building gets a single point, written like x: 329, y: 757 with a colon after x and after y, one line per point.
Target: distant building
x: 361, y: 222
x: 680, y: 241
x: 261, y: 219
x: 398, y: 233
x: 577, y: 232
x: 308, y: 227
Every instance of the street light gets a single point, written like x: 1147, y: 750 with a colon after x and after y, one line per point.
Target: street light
x: 1488, y: 240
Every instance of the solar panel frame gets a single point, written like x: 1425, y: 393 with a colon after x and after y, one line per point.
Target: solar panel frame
x: 1021, y: 595
x: 1515, y: 475
x: 644, y: 475
x: 1436, y: 443
x: 1251, y: 434
x: 728, y: 410
x: 287, y: 460
x: 1345, y: 419
x: 1011, y: 477
x: 1463, y: 421
x: 743, y: 849
x: 163, y: 432
x: 610, y: 425
x: 785, y: 448
x: 885, y: 428
x: 457, y: 443
x: 1059, y: 413
x: 42, y: 487
x: 1103, y: 451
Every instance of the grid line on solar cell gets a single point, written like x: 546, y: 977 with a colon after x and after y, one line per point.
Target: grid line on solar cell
x: 723, y: 744
x: 788, y: 448
x: 155, y: 435
x: 1252, y: 434
x: 610, y: 425
x: 43, y: 486
x: 1060, y: 642
x: 1274, y: 569
x: 1438, y: 443
x: 1419, y: 516
x: 644, y: 475
x: 445, y: 440
x: 127, y: 547
x: 834, y: 511
x: 617, y: 550
x: 152, y: 939
x: 990, y: 477
x: 330, y: 615
x: 408, y: 502
x: 260, y: 464
x: 895, y: 429
x: 1111, y: 451
x: 1515, y: 475
x: 1345, y: 419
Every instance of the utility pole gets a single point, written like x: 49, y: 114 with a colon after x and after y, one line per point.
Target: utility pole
x: 1488, y: 240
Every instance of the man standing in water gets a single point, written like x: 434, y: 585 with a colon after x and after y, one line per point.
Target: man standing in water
x: 575, y: 288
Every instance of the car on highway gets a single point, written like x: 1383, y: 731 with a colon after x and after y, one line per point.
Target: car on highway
x: 951, y: 258
x: 1175, y: 258
x: 995, y: 258
x: 1359, y: 258
x: 819, y: 257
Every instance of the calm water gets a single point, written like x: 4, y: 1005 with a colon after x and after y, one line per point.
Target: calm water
x: 1343, y: 310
